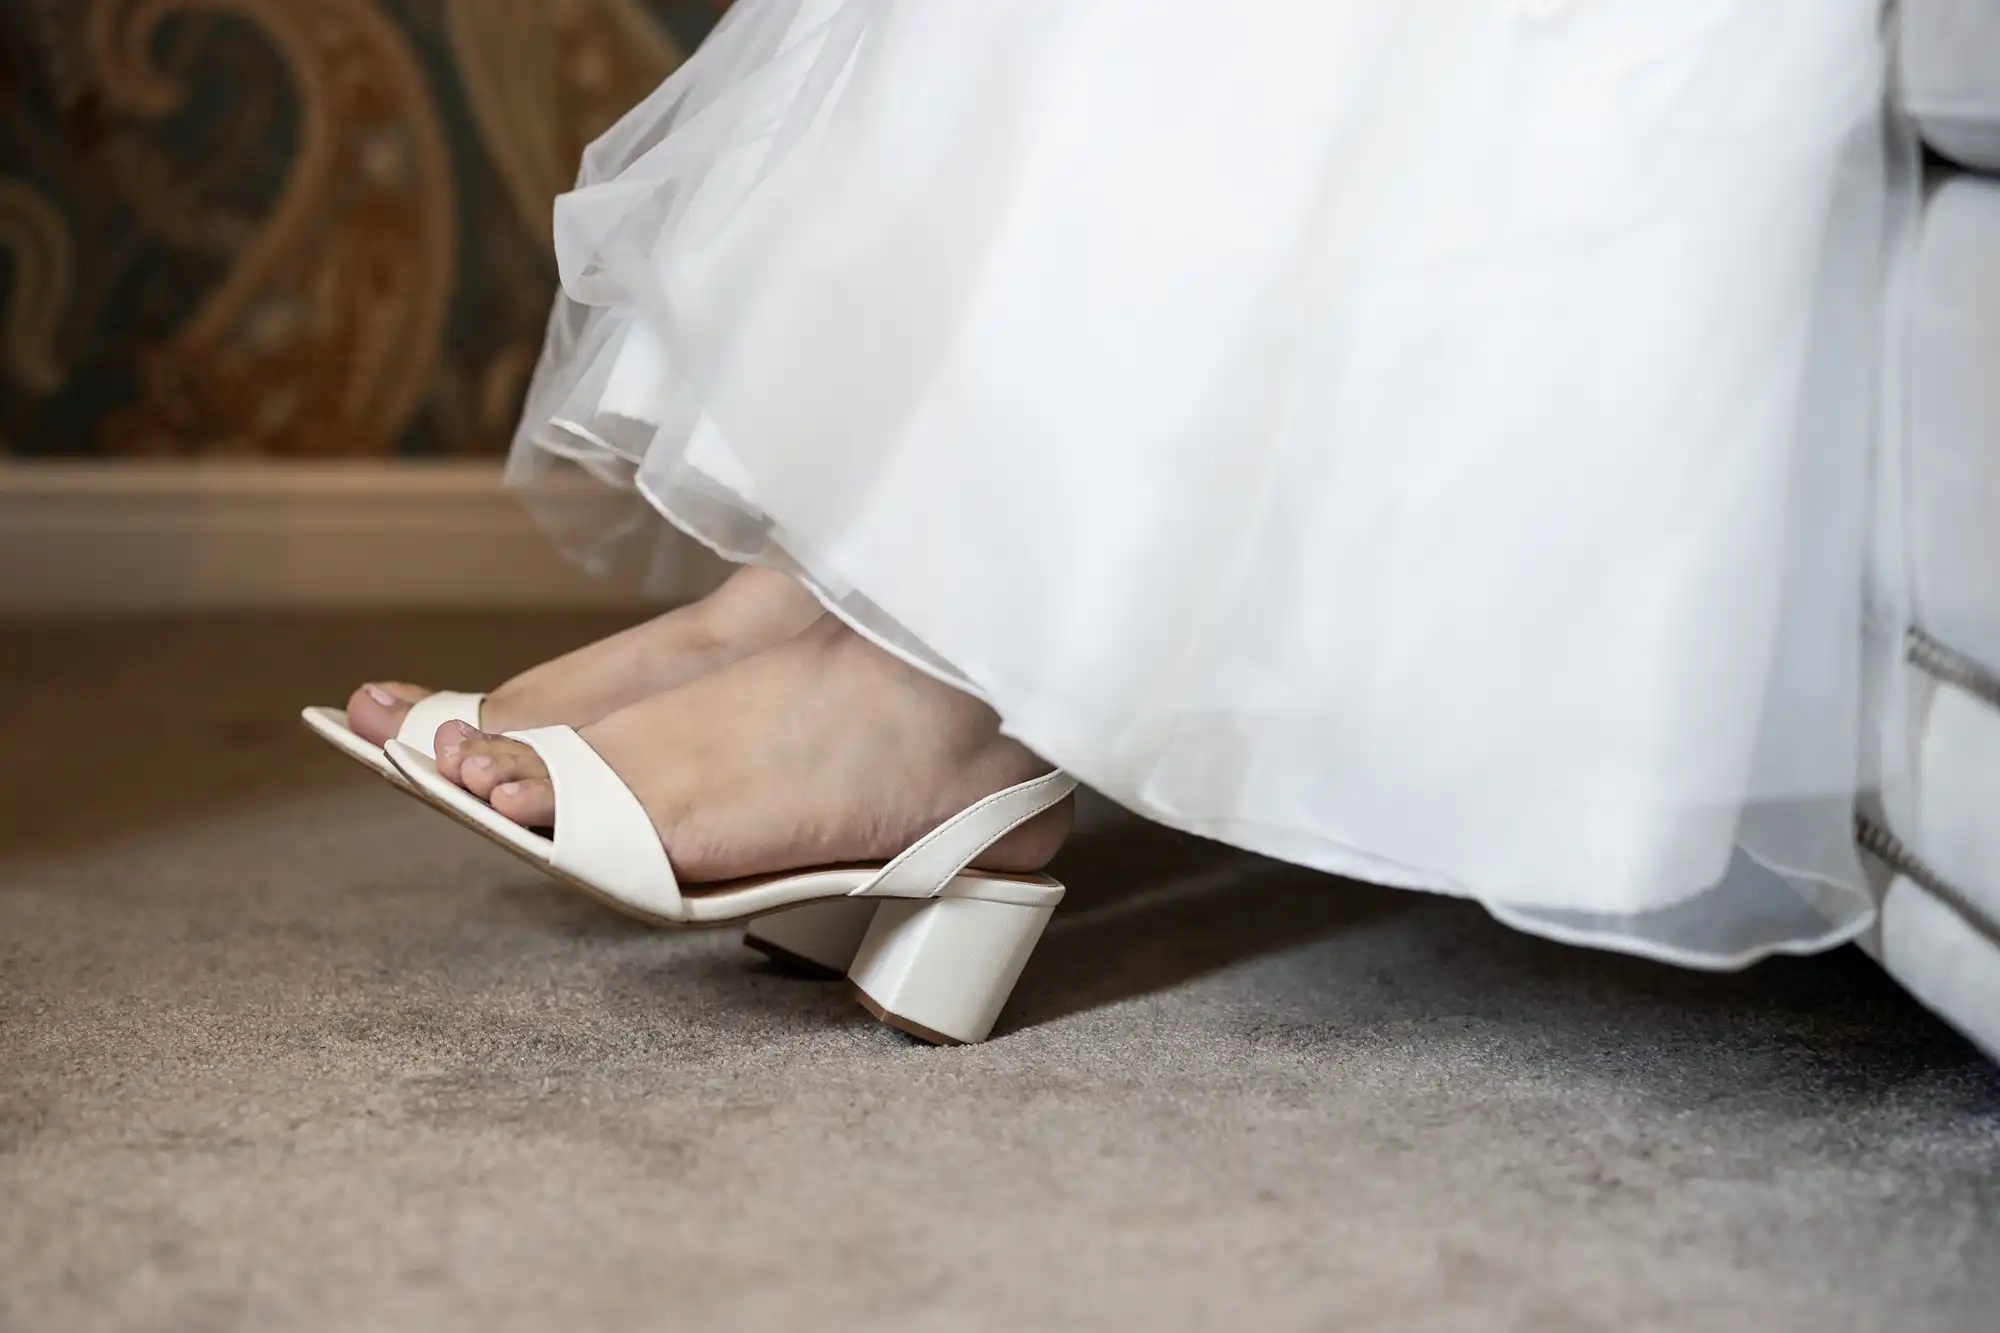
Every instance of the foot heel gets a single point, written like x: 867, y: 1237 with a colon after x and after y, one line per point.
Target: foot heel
x: 941, y: 968
x: 819, y: 939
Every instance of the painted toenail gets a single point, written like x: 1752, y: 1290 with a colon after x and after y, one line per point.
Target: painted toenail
x: 380, y: 695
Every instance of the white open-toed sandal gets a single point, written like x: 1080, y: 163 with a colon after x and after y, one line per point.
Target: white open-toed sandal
x: 942, y: 947
x: 818, y: 940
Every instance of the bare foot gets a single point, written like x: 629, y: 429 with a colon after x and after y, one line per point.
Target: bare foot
x: 753, y: 610
x: 821, y: 750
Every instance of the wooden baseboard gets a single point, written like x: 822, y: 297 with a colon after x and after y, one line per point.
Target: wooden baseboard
x: 164, y: 539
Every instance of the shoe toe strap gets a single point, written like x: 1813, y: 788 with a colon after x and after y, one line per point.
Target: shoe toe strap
x: 604, y: 837
x: 426, y: 715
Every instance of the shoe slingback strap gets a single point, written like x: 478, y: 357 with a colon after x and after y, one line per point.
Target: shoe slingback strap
x: 426, y: 715
x: 925, y: 868
x: 603, y: 835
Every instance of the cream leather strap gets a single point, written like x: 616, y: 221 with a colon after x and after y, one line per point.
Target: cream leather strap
x: 604, y: 837
x: 426, y: 715
x: 925, y: 868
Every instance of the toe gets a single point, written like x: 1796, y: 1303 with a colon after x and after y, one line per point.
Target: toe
x: 449, y: 746
x: 529, y: 802
x: 485, y: 762
x: 375, y: 711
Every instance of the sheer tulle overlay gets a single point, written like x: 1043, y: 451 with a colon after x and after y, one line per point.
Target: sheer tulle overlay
x: 1434, y: 442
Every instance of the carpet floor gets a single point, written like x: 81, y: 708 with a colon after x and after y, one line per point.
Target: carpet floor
x: 282, y: 1050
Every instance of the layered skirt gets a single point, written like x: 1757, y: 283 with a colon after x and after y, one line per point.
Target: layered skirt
x: 1434, y: 442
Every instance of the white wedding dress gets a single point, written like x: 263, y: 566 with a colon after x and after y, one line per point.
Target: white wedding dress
x: 1430, y: 441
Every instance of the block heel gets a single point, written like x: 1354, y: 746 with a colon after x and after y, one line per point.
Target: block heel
x: 817, y: 940
x: 941, y: 969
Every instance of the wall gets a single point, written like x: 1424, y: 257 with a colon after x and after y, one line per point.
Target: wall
x: 299, y: 229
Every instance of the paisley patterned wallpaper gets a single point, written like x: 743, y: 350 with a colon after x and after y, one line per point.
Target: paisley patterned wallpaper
x: 297, y: 228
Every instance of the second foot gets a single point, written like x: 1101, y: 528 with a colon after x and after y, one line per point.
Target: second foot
x: 753, y: 610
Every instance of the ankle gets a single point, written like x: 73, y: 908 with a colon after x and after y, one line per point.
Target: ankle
x: 958, y: 730
x: 755, y: 605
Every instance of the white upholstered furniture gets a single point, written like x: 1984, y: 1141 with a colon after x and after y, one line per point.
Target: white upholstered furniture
x: 1936, y: 839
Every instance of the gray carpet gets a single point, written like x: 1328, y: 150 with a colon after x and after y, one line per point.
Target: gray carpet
x: 281, y: 1050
